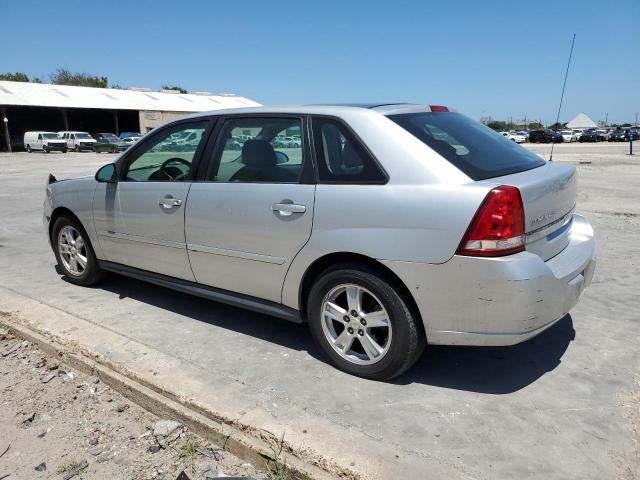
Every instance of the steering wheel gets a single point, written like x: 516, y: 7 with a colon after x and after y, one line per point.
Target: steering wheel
x: 171, y: 173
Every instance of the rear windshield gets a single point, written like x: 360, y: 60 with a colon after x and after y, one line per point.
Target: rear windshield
x: 475, y: 149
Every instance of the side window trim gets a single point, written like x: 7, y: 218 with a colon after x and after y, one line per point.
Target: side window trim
x: 361, y: 145
x: 123, y: 163
x: 209, y: 154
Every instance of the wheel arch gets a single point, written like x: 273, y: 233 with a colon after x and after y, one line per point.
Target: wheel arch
x: 324, y: 262
x: 56, y: 214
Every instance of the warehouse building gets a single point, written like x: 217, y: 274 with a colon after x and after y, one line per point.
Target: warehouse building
x: 39, y: 106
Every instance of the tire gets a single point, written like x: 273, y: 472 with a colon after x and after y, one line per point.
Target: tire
x: 47, y: 150
x: 91, y: 273
x: 77, y: 149
x: 64, y: 150
x: 401, y: 343
x: 29, y: 149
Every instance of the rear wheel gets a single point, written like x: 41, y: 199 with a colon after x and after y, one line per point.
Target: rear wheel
x: 362, y: 324
x: 74, y: 252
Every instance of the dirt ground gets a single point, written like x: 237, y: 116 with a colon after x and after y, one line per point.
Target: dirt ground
x: 56, y: 422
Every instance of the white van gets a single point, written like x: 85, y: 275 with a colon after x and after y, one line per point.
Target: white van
x: 78, y: 140
x: 46, y: 141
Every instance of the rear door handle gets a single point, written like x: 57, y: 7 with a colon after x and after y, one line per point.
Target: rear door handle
x: 287, y: 209
x: 169, y: 202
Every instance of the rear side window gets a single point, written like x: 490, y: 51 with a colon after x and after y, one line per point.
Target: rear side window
x: 341, y: 157
x: 475, y: 149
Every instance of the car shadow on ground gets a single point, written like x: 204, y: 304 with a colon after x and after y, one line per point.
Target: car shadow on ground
x: 491, y: 370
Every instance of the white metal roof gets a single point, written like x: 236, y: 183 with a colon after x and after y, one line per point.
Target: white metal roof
x: 582, y: 120
x: 63, y: 96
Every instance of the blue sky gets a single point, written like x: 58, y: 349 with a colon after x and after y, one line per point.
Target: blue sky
x: 482, y: 57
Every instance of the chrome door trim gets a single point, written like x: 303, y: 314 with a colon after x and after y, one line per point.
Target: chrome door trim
x: 235, y: 254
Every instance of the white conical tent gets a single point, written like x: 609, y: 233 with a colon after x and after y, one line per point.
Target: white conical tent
x: 582, y: 120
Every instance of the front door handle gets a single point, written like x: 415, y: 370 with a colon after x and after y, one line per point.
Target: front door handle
x: 287, y: 209
x: 169, y: 202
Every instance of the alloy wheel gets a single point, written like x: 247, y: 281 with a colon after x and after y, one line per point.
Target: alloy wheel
x: 356, y: 324
x: 73, y: 250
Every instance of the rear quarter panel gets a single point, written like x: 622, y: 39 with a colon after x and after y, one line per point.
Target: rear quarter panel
x: 410, y: 223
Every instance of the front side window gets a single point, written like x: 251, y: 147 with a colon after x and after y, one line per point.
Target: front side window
x: 341, y: 157
x: 168, y: 156
x: 258, y: 150
x: 475, y: 149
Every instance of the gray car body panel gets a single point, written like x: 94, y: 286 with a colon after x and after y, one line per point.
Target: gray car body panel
x: 413, y: 225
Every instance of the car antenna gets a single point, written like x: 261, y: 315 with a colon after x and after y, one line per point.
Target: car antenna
x: 562, y: 95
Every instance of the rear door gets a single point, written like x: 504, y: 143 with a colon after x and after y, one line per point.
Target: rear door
x: 253, y: 211
x: 140, y: 220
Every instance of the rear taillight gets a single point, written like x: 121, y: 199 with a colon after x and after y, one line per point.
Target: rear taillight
x: 498, y: 226
x: 438, y: 108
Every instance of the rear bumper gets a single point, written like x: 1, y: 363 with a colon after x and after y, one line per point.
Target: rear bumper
x: 500, y: 301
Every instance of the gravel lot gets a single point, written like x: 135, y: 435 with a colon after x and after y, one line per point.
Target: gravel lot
x: 564, y: 405
x: 54, y: 418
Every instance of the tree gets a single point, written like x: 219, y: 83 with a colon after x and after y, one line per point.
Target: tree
x: 497, y: 125
x: 180, y: 89
x: 558, y: 126
x: 14, y: 77
x: 62, y: 76
x: 535, y: 125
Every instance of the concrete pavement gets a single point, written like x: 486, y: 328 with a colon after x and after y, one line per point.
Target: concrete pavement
x: 564, y: 405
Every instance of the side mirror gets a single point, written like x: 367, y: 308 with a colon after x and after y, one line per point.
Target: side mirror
x: 107, y: 174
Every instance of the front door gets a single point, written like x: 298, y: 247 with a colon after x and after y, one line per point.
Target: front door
x: 253, y: 213
x: 140, y: 219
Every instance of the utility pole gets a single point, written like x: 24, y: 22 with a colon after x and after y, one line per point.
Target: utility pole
x: 5, y: 121
x: 606, y: 117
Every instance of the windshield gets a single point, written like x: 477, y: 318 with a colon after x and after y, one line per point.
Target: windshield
x: 84, y: 136
x: 473, y: 148
x: 50, y: 136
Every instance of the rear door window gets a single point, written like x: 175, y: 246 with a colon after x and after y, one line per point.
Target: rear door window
x: 477, y: 150
x: 341, y: 157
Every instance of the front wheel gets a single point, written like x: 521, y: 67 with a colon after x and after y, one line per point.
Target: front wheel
x: 362, y: 324
x: 77, y: 149
x: 29, y: 149
x: 74, y: 252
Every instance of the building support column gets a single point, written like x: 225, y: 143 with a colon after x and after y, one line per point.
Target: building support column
x: 5, y: 122
x: 115, y: 122
x: 64, y: 119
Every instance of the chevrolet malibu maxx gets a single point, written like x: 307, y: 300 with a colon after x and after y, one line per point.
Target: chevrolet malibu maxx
x: 389, y: 227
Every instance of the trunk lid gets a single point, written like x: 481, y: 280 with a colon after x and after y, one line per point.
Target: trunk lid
x: 548, y: 197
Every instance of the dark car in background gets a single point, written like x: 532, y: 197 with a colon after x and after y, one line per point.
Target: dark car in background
x: 545, y: 136
x: 108, y: 142
x: 620, y: 135
x: 590, y: 135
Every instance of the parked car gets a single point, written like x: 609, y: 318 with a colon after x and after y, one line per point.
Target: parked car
x: 590, y: 135
x: 545, y: 136
x: 109, y: 142
x: 45, y: 141
x: 602, y: 134
x: 514, y: 136
x: 427, y: 227
x: 132, y: 135
x: 578, y: 132
x: 569, y: 136
x: 78, y: 141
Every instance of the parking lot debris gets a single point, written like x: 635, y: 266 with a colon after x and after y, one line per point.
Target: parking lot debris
x: 12, y: 348
x: 121, y: 407
x: 210, y: 452
x: 95, y: 451
x: 3, y: 333
x: 41, y: 467
x: 28, y: 421
x: 48, y: 377
x: 53, y: 365
x: 166, y: 431
x: 75, y: 470
x: 93, y: 439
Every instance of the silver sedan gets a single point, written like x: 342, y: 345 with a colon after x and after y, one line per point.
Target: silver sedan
x: 385, y: 228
